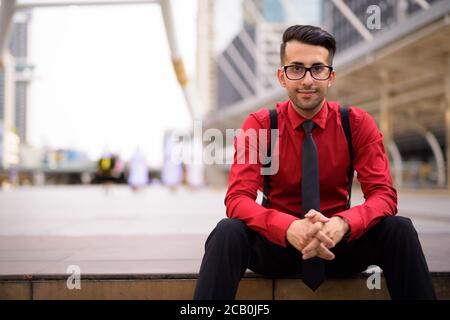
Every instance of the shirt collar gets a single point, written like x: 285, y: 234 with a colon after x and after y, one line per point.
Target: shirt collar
x: 319, y: 119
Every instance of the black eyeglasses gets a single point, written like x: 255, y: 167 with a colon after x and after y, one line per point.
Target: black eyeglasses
x: 297, y: 72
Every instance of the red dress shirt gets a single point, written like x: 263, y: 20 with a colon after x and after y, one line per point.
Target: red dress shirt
x: 284, y: 202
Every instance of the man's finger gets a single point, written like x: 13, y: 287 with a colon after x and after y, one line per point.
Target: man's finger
x: 311, y: 213
x: 311, y: 247
x: 317, y: 249
x: 324, y: 253
x: 322, y: 237
x: 314, y: 229
x: 309, y: 255
x: 315, y: 216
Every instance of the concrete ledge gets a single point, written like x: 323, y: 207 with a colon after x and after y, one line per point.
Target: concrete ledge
x: 332, y: 289
x: 125, y: 289
x: 15, y: 290
x: 156, y: 289
x: 181, y: 287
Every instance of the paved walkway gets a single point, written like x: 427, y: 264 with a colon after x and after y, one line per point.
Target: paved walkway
x: 44, y: 230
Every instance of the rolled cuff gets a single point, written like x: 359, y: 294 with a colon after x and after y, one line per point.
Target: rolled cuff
x: 355, y: 223
x: 279, y: 228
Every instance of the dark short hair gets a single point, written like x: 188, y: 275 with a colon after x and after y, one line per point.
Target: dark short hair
x: 309, y: 35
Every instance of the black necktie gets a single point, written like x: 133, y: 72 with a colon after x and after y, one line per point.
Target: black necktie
x: 313, y: 268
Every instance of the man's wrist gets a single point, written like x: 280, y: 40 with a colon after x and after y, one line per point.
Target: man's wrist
x: 347, y: 230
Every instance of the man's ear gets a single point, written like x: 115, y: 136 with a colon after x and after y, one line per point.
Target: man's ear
x: 280, y: 76
x: 332, y: 78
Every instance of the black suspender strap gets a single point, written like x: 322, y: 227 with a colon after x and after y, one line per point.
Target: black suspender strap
x: 348, y: 135
x: 273, y: 126
x: 346, y: 126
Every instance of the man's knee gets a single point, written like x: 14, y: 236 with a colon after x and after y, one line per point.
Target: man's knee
x: 230, y: 226
x: 399, y: 225
x: 229, y: 230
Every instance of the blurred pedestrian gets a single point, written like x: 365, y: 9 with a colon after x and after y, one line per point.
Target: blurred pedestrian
x: 194, y: 168
x: 172, y: 170
x: 104, y: 174
x: 138, y: 171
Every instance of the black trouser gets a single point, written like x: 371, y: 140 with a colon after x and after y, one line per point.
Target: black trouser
x: 392, y: 244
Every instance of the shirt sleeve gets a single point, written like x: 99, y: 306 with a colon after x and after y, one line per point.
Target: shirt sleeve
x: 244, y: 181
x: 372, y: 167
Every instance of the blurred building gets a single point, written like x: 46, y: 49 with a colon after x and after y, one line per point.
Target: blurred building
x: 398, y: 72
x: 393, y: 60
x: 19, y: 46
x: 13, y: 99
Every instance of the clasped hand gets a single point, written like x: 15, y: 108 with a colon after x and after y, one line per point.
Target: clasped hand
x: 316, y: 234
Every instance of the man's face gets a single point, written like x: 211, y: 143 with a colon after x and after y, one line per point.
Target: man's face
x: 307, y: 94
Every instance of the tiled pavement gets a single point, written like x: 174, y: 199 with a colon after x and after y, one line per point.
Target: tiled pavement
x: 45, y: 230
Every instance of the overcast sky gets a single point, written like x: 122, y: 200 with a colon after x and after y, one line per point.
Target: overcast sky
x: 104, y: 78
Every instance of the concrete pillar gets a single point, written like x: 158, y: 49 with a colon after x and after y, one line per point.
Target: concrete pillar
x: 438, y: 156
x: 205, y: 79
x: 397, y: 165
x: 385, y: 112
x: 190, y: 93
x: 9, y: 142
x: 447, y: 116
x: 9, y: 138
x: 386, y: 128
x: 402, y: 7
x: 7, y: 8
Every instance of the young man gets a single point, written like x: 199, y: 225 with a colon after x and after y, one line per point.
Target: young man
x: 306, y: 227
